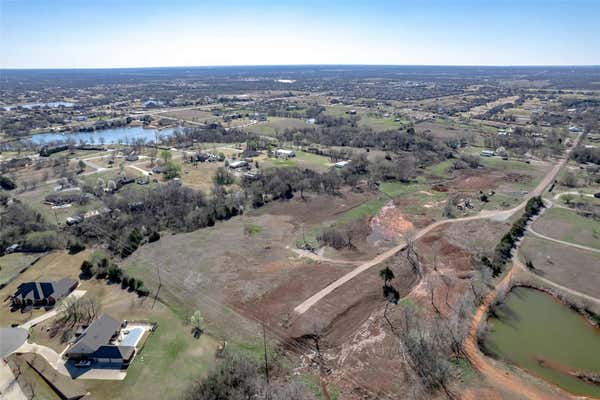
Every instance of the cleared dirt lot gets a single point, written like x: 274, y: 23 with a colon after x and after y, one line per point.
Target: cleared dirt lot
x: 567, y: 266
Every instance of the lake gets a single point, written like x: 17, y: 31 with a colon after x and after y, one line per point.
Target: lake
x: 545, y: 337
x: 54, y: 104
x: 107, y: 136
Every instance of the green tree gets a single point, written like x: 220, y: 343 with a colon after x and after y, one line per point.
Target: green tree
x: 166, y: 155
x: 386, y: 275
x: 87, y: 268
x: 197, y: 320
x: 171, y: 170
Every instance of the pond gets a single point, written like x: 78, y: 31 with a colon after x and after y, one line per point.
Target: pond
x: 54, y: 104
x: 106, y: 136
x: 546, y: 338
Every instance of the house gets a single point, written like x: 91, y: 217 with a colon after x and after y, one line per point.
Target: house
x: 132, y: 156
x: 42, y: 293
x: 74, y: 220
x: 95, y: 343
x: 487, y: 153
x: 238, y: 164
x: 282, y: 153
x: 342, y: 164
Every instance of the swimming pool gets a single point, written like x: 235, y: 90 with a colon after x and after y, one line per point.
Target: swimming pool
x: 133, y: 337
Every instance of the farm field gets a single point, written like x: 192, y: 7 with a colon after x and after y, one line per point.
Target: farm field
x: 275, y: 125
x: 194, y: 115
x: 568, y: 226
x: 565, y: 265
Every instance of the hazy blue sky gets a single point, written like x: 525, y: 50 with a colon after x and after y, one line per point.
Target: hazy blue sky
x: 111, y: 33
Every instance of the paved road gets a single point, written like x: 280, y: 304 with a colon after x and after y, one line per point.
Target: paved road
x: 578, y: 246
x: 499, y: 215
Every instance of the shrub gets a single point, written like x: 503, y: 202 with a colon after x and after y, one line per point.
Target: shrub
x: 154, y: 236
x: 114, y: 273
x: 40, y: 241
x: 131, y: 282
x: 87, y: 268
x: 6, y: 183
x: 223, y: 177
x: 75, y: 247
x: 125, y: 281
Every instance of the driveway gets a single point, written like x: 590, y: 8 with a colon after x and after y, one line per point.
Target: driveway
x: 67, y: 368
x: 9, y: 387
x: 33, y: 322
x: 11, y: 339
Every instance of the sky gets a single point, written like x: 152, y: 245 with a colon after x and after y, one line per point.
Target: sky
x: 152, y: 33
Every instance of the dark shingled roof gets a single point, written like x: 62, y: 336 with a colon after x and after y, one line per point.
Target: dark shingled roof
x: 37, y: 291
x: 110, y: 351
x: 98, y: 334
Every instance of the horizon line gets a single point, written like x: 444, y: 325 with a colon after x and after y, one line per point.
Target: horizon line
x: 304, y: 65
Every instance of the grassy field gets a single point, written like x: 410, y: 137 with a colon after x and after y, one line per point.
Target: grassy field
x: 170, y: 348
x: 12, y: 264
x: 302, y: 159
x: 565, y: 265
x: 273, y: 125
x: 567, y: 225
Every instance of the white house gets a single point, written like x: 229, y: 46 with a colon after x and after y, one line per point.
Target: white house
x: 282, y: 153
x: 342, y: 164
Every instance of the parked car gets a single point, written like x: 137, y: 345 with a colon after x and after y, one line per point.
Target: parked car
x: 597, y: 195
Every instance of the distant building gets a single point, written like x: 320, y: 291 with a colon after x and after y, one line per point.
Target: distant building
x: 311, y: 121
x: 487, y: 153
x: 282, y: 153
x: 574, y: 129
x: 342, y: 164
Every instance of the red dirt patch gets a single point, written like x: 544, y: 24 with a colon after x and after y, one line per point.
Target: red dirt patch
x: 390, y: 222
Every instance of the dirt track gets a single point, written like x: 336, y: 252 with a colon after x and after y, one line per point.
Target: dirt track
x: 502, y: 215
x: 483, y: 365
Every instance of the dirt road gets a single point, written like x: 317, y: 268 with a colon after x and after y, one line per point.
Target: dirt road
x: 500, y: 215
x: 499, y: 378
x: 517, y: 263
x: 577, y: 246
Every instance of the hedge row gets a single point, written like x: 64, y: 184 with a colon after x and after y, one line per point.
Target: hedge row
x: 503, y: 250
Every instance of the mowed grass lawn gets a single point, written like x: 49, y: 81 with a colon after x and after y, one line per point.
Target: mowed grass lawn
x: 170, y: 360
x: 567, y: 225
x: 302, y: 159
